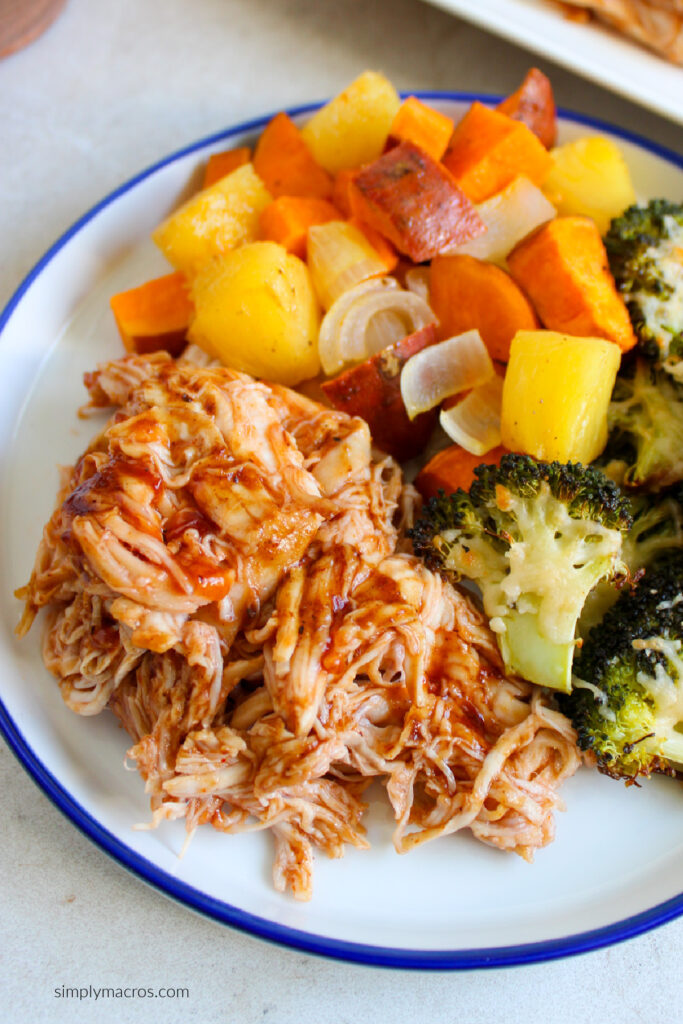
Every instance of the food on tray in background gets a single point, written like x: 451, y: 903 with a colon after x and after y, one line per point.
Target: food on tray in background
x: 658, y: 24
x: 233, y: 562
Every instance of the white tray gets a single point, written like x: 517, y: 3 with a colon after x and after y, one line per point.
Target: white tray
x: 588, y: 49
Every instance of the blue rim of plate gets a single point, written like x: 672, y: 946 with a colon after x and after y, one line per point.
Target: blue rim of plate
x: 373, y: 956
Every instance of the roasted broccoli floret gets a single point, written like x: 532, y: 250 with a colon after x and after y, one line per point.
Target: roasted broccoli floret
x: 644, y: 248
x: 536, y: 537
x: 645, y: 421
x: 657, y: 530
x: 627, y: 701
x: 656, y: 535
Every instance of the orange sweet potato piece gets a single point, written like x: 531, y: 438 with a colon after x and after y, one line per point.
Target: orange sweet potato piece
x: 412, y: 200
x: 562, y: 267
x: 534, y: 104
x: 287, y: 219
x: 154, y: 316
x: 488, y: 149
x: 286, y: 165
x: 220, y: 164
x: 373, y: 390
x: 452, y: 468
x: 467, y: 293
x: 421, y: 124
x: 340, y: 190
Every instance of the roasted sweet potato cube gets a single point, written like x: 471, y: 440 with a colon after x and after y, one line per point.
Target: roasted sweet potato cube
x: 373, y: 390
x: 488, y: 150
x: 287, y: 219
x: 155, y: 315
x: 413, y: 201
x: 453, y: 467
x: 286, y: 165
x: 563, y: 268
x: 534, y: 104
x: 220, y: 164
x: 417, y: 122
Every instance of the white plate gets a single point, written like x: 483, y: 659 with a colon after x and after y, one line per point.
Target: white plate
x: 592, y: 49
x: 615, y: 868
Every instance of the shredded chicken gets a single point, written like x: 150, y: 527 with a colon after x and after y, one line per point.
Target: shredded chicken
x: 227, y: 571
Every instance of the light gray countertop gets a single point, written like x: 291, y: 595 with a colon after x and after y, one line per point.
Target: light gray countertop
x: 109, y: 89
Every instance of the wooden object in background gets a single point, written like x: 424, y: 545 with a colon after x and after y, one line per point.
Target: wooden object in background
x: 22, y: 21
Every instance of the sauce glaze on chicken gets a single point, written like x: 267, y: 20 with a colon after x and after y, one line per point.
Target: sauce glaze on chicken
x: 227, y: 571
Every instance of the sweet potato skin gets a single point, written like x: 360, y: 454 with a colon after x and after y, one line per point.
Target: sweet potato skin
x: 453, y: 467
x: 467, y: 293
x: 412, y: 200
x: 488, y: 149
x: 373, y: 390
x: 563, y: 268
x: 286, y: 165
x: 154, y: 316
x: 534, y: 104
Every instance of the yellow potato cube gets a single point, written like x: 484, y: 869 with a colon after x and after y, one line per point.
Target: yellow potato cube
x: 214, y: 221
x: 352, y: 128
x: 590, y: 177
x: 257, y: 312
x: 555, y: 396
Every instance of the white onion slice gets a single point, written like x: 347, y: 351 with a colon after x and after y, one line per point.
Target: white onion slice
x: 474, y: 423
x: 442, y: 370
x: 508, y: 216
x: 358, y: 340
x: 328, y: 337
x: 358, y: 325
x: 417, y: 280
